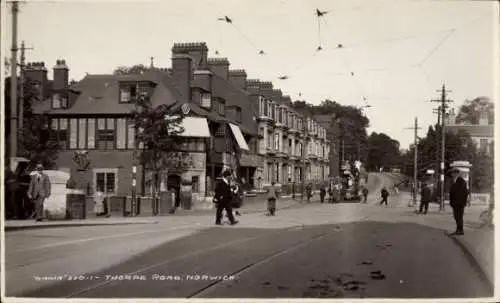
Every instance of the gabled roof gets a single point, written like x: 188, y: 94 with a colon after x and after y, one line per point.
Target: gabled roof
x: 474, y: 130
x: 99, y: 94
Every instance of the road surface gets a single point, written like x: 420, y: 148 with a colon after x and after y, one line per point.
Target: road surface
x: 346, y: 250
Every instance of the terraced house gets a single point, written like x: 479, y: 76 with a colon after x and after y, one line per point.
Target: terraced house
x: 230, y: 123
x: 293, y: 146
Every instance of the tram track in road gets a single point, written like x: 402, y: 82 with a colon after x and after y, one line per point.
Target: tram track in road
x: 264, y: 249
x: 166, y: 262
x: 114, y: 236
x: 253, y: 265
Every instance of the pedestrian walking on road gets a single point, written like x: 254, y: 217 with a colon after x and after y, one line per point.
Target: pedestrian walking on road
x: 365, y: 194
x: 322, y: 193
x: 309, y: 192
x: 458, y: 199
x: 223, y: 199
x: 330, y: 194
x: 39, y: 190
x: 425, y: 198
x: 272, y: 196
x: 385, y: 194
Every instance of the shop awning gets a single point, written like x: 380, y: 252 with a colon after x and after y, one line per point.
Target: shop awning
x: 195, y: 127
x: 239, y: 136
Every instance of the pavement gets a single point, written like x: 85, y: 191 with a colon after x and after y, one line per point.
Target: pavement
x: 345, y: 250
x: 478, y: 241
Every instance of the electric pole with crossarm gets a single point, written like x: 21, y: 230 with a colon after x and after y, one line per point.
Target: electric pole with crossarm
x: 415, y: 162
x: 443, y: 107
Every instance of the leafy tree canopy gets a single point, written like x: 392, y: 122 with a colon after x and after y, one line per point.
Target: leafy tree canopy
x: 469, y: 112
x: 383, y: 151
x: 129, y: 70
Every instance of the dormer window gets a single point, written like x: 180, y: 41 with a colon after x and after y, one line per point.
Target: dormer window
x: 56, y: 100
x: 128, y: 93
x: 131, y: 91
x: 206, y: 100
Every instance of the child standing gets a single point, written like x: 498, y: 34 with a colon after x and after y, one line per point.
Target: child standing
x: 272, y: 196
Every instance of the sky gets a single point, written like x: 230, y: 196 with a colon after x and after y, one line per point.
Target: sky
x: 396, y: 54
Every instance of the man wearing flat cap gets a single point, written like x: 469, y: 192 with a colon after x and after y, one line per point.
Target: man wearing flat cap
x: 458, y: 199
x: 223, y: 198
x: 39, y: 190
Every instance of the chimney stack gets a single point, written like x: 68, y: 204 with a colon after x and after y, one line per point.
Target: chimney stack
x: 61, y: 75
x: 238, y: 78
x: 181, y: 73
x: 196, y: 50
x: 253, y: 90
x: 266, y: 89
x: 219, y: 66
x: 36, y: 72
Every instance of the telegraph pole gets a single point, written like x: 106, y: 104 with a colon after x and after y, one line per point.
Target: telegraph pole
x: 438, y: 125
x: 443, y: 107
x: 21, y: 85
x: 13, y: 84
x: 415, y: 162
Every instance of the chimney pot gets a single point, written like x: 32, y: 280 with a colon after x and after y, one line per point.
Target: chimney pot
x: 61, y: 75
x: 238, y: 78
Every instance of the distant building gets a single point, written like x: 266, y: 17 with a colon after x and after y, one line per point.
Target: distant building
x: 482, y: 133
x: 332, y: 134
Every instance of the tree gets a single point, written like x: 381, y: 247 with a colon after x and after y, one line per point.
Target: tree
x: 383, y: 151
x: 482, y: 173
x: 159, y: 132
x: 34, y: 137
x: 135, y: 69
x: 469, y: 112
x: 349, y: 120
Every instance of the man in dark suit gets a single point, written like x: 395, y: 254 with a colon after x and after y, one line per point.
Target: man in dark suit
x: 39, y: 190
x: 425, y: 198
x: 458, y: 199
x: 223, y: 198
